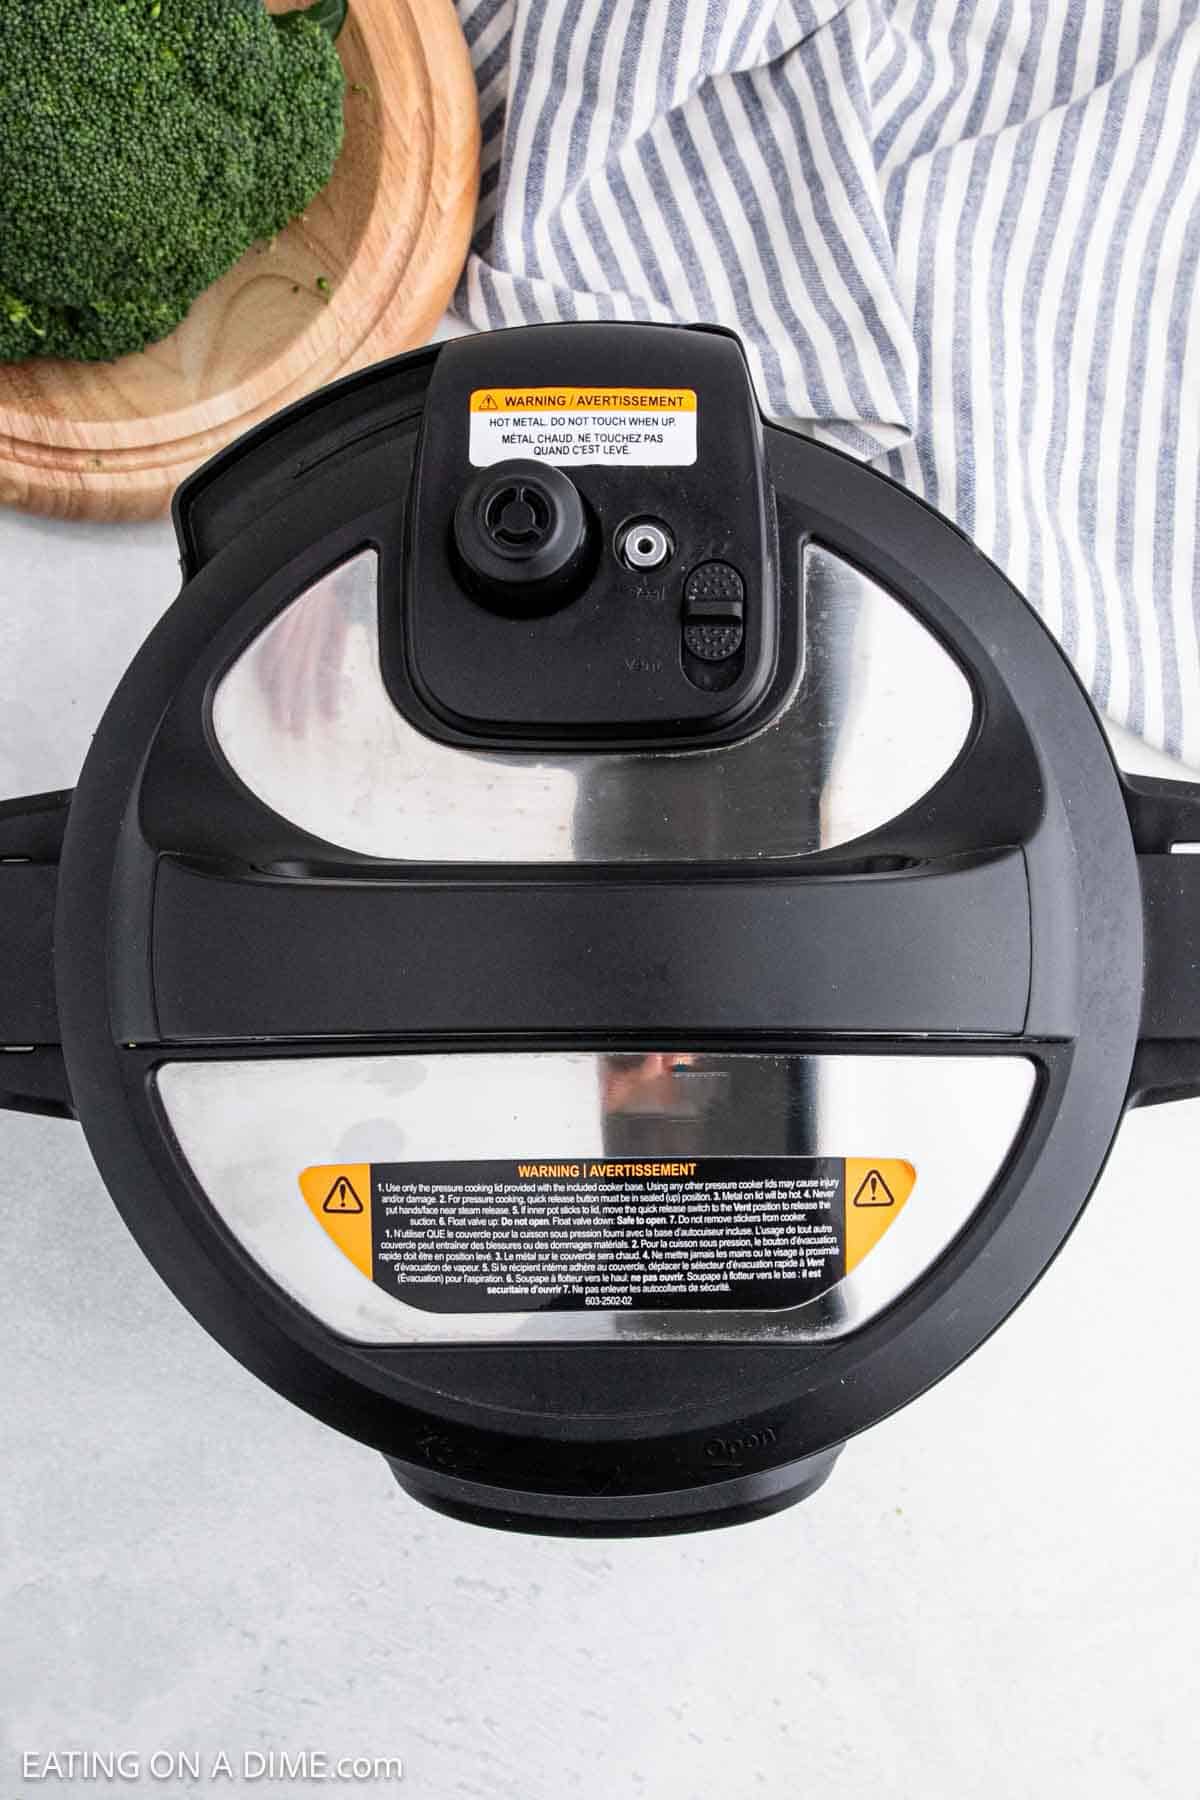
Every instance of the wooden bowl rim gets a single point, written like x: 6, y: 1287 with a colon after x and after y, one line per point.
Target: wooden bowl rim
x: 426, y: 38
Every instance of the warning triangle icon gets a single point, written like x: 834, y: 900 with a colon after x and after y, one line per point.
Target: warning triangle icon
x: 873, y: 1190
x: 342, y: 1198
x: 488, y: 403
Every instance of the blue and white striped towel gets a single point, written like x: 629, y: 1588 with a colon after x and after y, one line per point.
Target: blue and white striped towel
x: 960, y: 236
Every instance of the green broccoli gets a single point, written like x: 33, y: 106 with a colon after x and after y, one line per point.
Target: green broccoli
x: 144, y: 146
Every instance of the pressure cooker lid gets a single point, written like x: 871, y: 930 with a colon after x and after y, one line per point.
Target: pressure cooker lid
x: 600, y: 943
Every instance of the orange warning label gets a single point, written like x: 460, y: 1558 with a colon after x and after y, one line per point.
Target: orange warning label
x: 755, y: 1232
x: 339, y: 1199
x: 584, y: 399
x: 875, y: 1192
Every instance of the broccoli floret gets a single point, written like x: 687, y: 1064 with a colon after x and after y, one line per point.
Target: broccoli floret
x: 144, y: 146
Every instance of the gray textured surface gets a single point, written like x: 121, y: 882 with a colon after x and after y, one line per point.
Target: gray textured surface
x: 996, y: 1595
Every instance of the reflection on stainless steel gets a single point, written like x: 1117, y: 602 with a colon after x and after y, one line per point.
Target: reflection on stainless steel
x: 247, y: 1129
x: 880, y: 713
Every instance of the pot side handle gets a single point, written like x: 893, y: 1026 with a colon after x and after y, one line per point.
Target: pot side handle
x: 1165, y: 818
x: 33, y: 1076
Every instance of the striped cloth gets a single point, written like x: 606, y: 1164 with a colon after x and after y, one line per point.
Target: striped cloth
x: 959, y: 236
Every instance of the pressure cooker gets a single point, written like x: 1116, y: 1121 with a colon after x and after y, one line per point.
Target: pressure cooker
x: 600, y: 947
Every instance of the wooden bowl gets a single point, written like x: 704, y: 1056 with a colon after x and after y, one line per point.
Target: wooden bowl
x: 389, y: 235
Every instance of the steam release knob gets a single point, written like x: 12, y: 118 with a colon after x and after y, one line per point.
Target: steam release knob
x: 522, y: 538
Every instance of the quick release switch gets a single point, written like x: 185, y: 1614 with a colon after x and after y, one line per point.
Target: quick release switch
x: 714, y: 612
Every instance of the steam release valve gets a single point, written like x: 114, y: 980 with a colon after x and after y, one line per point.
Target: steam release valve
x: 522, y: 537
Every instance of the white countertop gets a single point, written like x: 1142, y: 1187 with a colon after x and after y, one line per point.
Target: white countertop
x: 997, y: 1594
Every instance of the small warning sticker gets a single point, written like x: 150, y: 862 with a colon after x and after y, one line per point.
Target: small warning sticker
x: 643, y: 427
x: 750, y: 1232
